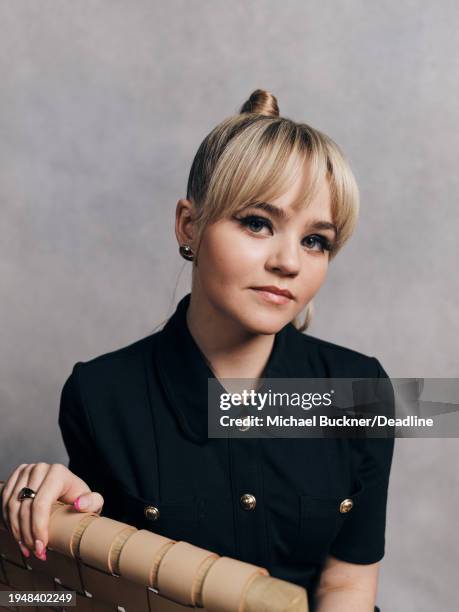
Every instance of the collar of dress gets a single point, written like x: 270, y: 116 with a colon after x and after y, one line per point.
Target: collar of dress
x: 184, y: 372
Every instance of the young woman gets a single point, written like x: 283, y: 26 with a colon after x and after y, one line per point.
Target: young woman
x: 269, y: 204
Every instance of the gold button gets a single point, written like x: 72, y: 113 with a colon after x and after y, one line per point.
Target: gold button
x: 346, y: 505
x: 151, y: 512
x: 248, y: 501
x: 244, y: 415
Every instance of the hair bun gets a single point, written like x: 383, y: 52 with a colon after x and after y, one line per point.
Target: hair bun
x: 261, y: 102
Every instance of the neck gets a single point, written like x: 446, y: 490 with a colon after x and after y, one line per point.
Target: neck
x: 230, y: 350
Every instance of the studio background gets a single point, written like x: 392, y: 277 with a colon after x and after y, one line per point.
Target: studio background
x: 103, y: 105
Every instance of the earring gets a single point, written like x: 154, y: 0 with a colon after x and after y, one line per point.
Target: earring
x: 186, y: 252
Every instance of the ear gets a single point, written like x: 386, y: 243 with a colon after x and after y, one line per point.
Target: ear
x: 184, y: 222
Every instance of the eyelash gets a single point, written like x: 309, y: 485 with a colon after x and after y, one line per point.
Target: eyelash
x: 325, y: 244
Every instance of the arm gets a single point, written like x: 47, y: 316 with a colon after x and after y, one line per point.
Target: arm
x: 349, y: 578
x: 347, y: 587
x: 74, y: 423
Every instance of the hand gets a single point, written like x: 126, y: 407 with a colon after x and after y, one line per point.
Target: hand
x: 28, y: 520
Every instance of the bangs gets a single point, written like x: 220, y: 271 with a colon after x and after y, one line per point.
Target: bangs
x: 255, y: 158
x: 264, y: 166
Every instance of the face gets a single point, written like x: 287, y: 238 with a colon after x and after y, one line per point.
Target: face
x: 259, y: 247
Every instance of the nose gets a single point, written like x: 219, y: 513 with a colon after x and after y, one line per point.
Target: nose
x: 284, y: 257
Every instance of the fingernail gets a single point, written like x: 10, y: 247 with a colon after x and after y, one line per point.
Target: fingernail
x: 43, y: 556
x: 80, y: 504
x: 25, y: 551
x: 39, y: 547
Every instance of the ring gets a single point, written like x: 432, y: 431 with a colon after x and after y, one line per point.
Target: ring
x: 26, y: 493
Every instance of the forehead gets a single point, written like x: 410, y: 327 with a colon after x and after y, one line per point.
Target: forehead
x: 292, y: 200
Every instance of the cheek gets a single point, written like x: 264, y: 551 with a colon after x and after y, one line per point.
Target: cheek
x: 229, y: 257
x: 312, y: 277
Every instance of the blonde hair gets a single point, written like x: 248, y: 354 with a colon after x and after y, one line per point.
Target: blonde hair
x: 254, y: 155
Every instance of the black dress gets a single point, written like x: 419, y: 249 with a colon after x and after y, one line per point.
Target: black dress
x: 134, y: 423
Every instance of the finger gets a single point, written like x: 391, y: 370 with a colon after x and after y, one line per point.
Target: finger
x: 14, y: 505
x: 24, y: 549
x: 58, y: 484
x: 89, y: 502
x: 36, y: 474
x: 7, y: 491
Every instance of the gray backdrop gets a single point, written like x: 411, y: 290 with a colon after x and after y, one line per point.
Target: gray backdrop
x: 103, y: 105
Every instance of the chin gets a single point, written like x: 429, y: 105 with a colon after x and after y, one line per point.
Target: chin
x: 264, y: 323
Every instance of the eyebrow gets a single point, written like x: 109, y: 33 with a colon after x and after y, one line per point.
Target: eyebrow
x: 279, y: 213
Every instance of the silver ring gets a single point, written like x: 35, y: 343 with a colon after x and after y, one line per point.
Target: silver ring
x: 26, y: 493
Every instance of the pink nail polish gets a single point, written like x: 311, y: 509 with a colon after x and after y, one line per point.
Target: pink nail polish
x: 38, y: 547
x: 76, y: 503
x: 25, y: 551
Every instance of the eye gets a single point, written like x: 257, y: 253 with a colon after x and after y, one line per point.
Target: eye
x: 314, y: 242
x: 317, y: 240
x: 255, y: 223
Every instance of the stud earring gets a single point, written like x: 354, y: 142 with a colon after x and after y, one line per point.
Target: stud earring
x: 186, y: 252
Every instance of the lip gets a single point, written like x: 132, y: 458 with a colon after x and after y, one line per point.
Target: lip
x: 274, y: 295
x: 276, y: 290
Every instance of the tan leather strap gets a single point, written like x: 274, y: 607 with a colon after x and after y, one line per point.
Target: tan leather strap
x: 141, y: 556
x: 184, y: 560
x: 226, y: 583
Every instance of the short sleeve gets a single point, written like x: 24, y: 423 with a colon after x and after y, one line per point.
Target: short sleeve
x: 77, y: 436
x: 361, y: 538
